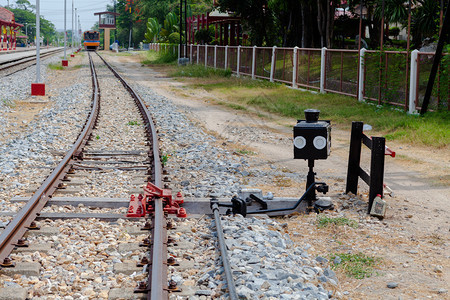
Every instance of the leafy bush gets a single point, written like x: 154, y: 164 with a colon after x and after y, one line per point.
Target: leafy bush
x: 205, y: 35
x: 394, y: 31
x: 174, y: 38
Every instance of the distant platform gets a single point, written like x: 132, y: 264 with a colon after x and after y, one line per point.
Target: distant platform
x: 13, y: 55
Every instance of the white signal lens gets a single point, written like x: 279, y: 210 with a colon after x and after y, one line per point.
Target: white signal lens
x: 319, y: 142
x: 299, y: 142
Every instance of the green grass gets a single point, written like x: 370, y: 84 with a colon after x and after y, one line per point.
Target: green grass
x: 55, y: 66
x: 79, y: 66
x: 232, y: 105
x: 431, y: 130
x: 8, y: 102
x: 164, y: 159
x: 356, y: 265
x: 324, y: 221
x: 200, y: 71
x: 131, y: 123
x: 245, y: 152
x: 152, y: 57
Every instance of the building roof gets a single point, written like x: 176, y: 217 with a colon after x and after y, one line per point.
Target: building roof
x: 6, y: 15
x: 106, y: 13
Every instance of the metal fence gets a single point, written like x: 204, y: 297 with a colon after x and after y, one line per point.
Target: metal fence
x: 397, y: 78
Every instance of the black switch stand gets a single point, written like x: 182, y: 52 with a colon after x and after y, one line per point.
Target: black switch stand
x: 310, y: 179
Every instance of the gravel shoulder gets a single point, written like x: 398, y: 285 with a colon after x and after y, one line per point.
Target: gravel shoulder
x: 412, y: 240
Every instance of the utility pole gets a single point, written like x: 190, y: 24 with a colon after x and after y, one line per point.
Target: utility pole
x: 72, y: 26
x: 65, y: 29
x: 76, y: 32
x: 38, y: 42
x: 38, y: 88
x: 65, y: 62
x: 131, y: 24
x: 79, y: 32
x: 115, y: 30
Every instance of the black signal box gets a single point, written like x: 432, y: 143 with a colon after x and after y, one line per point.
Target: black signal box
x: 312, y: 138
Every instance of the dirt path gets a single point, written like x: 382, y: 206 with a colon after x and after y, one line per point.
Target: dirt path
x: 413, y: 239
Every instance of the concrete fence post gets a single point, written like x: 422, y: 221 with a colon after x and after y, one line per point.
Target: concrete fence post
x: 254, y: 63
x: 226, y: 57
x: 362, y: 53
x: 190, y: 54
x: 206, y: 55
x: 272, y: 66
x: 323, y: 59
x: 238, y: 63
x: 198, y: 53
x: 413, y: 82
x: 179, y: 51
x: 295, y: 68
x: 215, y: 56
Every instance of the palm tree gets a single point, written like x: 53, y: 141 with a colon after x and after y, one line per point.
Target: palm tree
x: 395, y: 11
x: 425, y: 18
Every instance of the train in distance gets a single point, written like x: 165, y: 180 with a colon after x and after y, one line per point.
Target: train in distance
x: 91, y: 40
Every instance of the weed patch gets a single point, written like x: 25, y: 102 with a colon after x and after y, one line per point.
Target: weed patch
x: 245, y: 152
x: 165, y: 159
x: 152, y: 57
x: 55, y: 66
x: 200, y: 72
x: 132, y: 123
x: 324, y: 221
x: 357, y: 265
x: 8, y: 103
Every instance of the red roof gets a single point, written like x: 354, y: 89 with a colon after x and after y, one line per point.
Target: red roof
x: 7, y: 18
x: 6, y: 15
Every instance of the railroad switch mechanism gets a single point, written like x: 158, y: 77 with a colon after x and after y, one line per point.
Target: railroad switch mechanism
x: 312, y: 141
x: 143, y: 204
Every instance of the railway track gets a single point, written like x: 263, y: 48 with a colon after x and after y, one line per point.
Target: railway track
x: 87, y: 247
x: 10, y: 67
x: 89, y: 157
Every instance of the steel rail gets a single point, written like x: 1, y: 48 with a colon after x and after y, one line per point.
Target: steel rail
x: 157, y: 280
x: 13, y: 63
x: 18, y: 226
x: 223, y: 251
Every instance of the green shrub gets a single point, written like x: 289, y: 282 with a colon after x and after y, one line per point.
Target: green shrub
x: 174, y: 38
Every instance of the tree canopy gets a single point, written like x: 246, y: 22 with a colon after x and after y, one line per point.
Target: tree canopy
x: 27, y: 16
x: 303, y: 23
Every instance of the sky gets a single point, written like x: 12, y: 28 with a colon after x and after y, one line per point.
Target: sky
x: 53, y: 10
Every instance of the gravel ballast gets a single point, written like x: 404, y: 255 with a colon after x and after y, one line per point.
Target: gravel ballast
x: 266, y: 263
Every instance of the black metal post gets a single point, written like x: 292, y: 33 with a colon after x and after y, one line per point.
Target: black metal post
x: 376, y: 169
x: 436, y: 60
x: 185, y: 28
x: 354, y: 157
x: 311, y: 196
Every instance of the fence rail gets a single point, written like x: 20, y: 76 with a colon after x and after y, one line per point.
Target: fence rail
x: 397, y: 78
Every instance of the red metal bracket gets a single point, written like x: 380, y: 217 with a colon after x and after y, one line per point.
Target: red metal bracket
x: 136, y: 209
x: 144, y: 203
x: 387, y: 150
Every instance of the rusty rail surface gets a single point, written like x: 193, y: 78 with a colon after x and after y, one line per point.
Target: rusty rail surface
x: 157, y: 279
x: 19, y: 225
